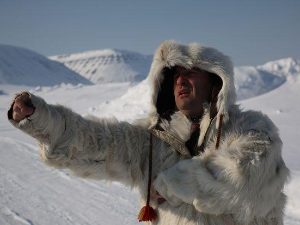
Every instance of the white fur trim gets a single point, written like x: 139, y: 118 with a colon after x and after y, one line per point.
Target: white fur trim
x: 179, y: 125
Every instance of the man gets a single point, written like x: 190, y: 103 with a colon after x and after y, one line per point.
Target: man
x: 210, y: 162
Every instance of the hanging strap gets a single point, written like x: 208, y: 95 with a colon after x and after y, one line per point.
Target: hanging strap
x: 219, y: 131
x: 150, y: 168
x: 147, y: 213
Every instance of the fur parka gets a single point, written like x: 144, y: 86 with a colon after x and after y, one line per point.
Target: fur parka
x: 239, y: 183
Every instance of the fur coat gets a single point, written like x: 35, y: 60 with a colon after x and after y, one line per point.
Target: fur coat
x: 240, y: 182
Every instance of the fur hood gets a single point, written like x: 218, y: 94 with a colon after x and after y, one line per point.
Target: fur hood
x: 171, y: 54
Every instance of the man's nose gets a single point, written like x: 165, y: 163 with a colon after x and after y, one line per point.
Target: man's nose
x: 181, y: 80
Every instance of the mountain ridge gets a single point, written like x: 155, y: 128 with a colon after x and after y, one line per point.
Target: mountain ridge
x: 108, y: 65
x: 21, y: 66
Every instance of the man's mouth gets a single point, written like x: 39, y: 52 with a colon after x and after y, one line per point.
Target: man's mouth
x: 184, y: 92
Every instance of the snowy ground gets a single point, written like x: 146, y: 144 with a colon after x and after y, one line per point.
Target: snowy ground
x: 32, y: 193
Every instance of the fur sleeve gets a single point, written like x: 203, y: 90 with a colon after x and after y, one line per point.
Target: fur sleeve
x: 89, y: 147
x: 244, y: 177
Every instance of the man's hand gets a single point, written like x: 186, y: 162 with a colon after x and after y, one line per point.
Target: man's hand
x: 22, y: 107
x: 155, y: 194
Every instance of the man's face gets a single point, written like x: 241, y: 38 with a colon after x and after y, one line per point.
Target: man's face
x: 192, y: 88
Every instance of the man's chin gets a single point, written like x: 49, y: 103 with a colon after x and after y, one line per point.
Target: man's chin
x: 184, y: 107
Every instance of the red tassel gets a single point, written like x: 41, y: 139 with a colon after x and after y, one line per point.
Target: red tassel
x: 195, y: 126
x: 147, y: 213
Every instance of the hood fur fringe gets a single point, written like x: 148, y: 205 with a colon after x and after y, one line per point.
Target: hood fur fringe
x: 171, y: 53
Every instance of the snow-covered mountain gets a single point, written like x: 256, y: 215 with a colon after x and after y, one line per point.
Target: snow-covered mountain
x: 252, y: 81
x: 108, y: 65
x: 20, y: 66
x: 288, y: 67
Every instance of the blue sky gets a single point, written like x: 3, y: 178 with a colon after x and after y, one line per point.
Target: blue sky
x: 251, y: 32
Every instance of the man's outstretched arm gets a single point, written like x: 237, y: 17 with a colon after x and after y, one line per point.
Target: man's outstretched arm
x: 89, y: 147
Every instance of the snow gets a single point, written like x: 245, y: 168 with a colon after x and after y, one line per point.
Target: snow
x: 251, y: 82
x: 32, y: 193
x: 108, y: 65
x: 288, y: 67
x: 135, y: 103
x: 21, y: 66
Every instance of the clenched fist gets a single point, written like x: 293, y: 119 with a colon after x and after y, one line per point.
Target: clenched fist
x: 22, y: 107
